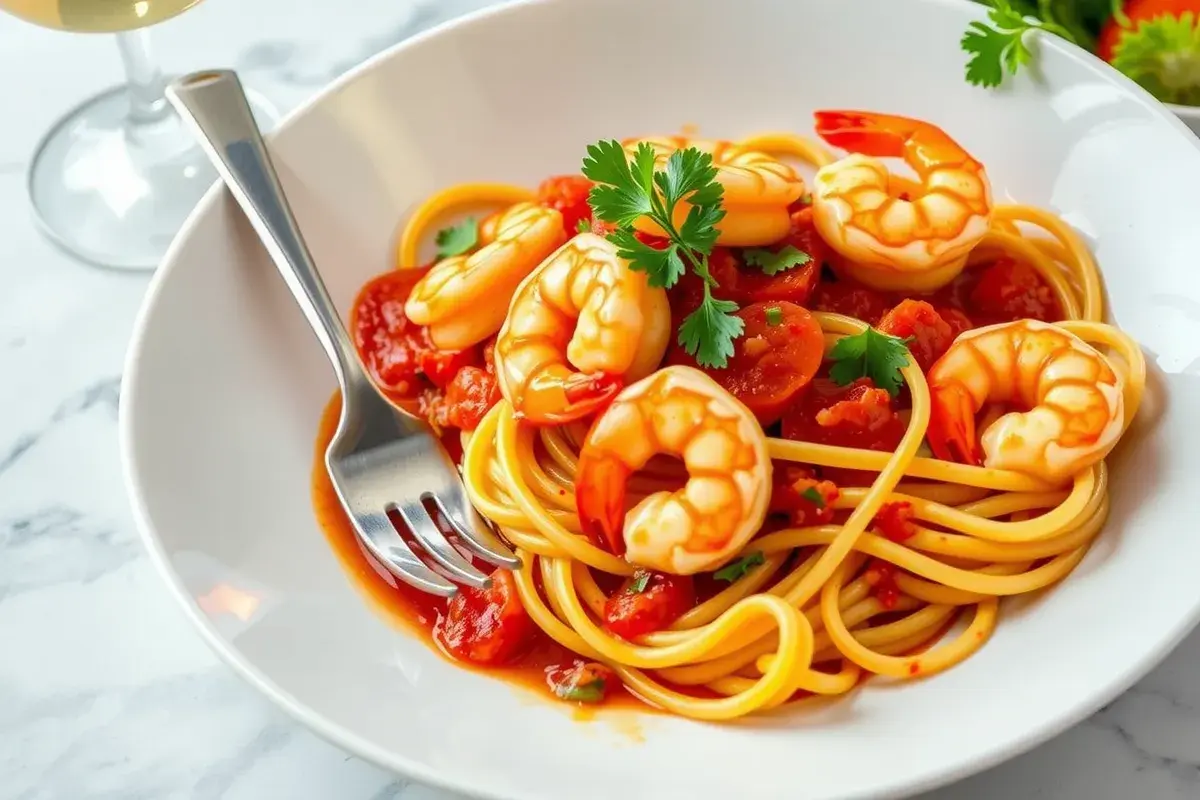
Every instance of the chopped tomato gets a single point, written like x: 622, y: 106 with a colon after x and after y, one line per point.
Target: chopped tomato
x: 852, y: 300
x: 432, y: 406
x: 581, y: 682
x: 388, y: 342
x: 774, y: 359
x: 485, y: 626
x: 895, y: 521
x: 881, y: 577
x: 917, y: 320
x: 440, y: 366
x: 470, y: 396
x: 857, y: 415
x: 1009, y: 290
x: 648, y: 602
x: 568, y: 194
x: 798, y: 493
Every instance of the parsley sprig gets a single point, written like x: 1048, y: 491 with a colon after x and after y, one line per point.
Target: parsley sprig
x: 870, y: 354
x: 457, y: 239
x: 628, y: 189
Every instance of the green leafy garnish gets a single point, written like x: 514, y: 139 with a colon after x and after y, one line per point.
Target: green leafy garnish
x: 870, y: 354
x: 590, y: 692
x: 813, y: 496
x: 739, y: 568
x: 772, y: 263
x: 639, y: 583
x: 1163, y: 56
x: 583, y: 226
x: 774, y: 315
x: 806, y: 199
x: 628, y: 189
x: 457, y: 239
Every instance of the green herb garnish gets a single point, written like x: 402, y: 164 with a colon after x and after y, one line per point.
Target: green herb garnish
x: 772, y: 263
x: 457, y: 239
x: 873, y: 355
x: 739, y: 568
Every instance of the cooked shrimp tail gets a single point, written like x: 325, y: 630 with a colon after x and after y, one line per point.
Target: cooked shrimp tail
x: 602, y: 507
x: 927, y: 147
x: 952, y: 435
x: 558, y: 395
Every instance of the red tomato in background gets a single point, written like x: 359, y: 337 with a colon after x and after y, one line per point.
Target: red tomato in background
x: 568, y: 194
x: 1139, y: 11
x: 389, y: 343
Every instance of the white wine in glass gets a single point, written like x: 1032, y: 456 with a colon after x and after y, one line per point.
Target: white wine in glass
x: 114, y: 179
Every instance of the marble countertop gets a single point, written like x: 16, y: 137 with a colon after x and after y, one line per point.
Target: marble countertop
x: 105, y: 690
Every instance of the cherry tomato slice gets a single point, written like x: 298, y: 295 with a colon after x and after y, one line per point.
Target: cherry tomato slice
x: 648, y: 602
x: 774, y: 359
x: 470, y: 396
x: 485, y: 626
x: 797, y: 284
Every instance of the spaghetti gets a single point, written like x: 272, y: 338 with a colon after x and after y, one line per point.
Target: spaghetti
x: 807, y: 618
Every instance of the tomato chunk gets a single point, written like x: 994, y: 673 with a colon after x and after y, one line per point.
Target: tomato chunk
x: 852, y: 300
x: 485, y: 626
x: 857, y: 415
x: 470, y: 396
x: 585, y: 682
x: 802, y: 497
x: 388, y: 342
x: 917, y: 320
x: 648, y: 602
x: 1009, y: 290
x: 774, y: 359
x: 568, y: 194
x: 958, y: 321
x: 440, y: 366
x: 881, y: 577
x: 895, y: 521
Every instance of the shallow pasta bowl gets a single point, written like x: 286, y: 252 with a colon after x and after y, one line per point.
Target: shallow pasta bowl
x: 225, y: 386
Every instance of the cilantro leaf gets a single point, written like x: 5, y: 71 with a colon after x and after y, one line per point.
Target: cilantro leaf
x: 590, y: 692
x: 772, y: 263
x: 998, y: 46
x: 638, y: 585
x: 813, y: 496
x: 583, y: 226
x: 873, y: 355
x: 1163, y: 56
x: 457, y: 239
x: 707, y: 333
x: 662, y: 267
x: 699, y: 228
x: 689, y: 172
x: 739, y: 568
x: 774, y: 315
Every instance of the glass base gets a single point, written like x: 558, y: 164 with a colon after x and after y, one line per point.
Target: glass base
x: 115, y: 195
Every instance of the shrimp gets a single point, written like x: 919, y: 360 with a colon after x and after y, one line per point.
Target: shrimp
x: 583, y: 308
x: 682, y: 412
x: 758, y: 190
x: 897, y: 234
x: 1075, y: 400
x: 463, y: 299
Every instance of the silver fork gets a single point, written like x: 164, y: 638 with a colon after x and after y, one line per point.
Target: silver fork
x: 380, y: 459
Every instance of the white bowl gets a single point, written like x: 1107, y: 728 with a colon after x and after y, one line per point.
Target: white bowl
x: 225, y: 385
x: 1189, y: 114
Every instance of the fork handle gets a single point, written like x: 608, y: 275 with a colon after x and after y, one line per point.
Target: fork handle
x: 214, y: 105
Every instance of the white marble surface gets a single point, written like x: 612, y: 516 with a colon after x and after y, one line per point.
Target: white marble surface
x: 105, y: 691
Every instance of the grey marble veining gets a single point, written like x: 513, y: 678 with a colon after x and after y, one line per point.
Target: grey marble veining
x: 105, y: 691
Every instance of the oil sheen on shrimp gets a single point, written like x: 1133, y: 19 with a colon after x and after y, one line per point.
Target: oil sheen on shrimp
x: 897, y: 234
x: 1073, y: 400
x: 580, y: 326
x: 464, y: 299
x: 682, y: 412
x: 758, y: 189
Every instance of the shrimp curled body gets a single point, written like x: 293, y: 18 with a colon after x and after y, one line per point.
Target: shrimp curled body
x: 682, y: 412
x: 463, y: 299
x: 1075, y: 400
x: 580, y: 325
x: 758, y: 190
x: 896, y: 234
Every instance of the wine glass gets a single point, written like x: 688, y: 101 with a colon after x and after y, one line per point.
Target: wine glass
x: 113, y: 180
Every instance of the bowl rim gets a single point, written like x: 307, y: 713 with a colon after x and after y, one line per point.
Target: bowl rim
x: 353, y: 743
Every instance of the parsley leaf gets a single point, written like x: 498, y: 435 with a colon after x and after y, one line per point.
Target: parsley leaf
x: 583, y: 226
x: 638, y: 584
x: 590, y: 692
x: 772, y: 263
x: 740, y: 567
x: 708, y: 332
x: 813, y: 496
x: 1163, y: 55
x: 998, y: 46
x: 873, y: 355
x: 629, y: 189
x: 774, y: 315
x: 457, y: 239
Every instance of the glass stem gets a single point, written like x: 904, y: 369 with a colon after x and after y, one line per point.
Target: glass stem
x: 147, y: 98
